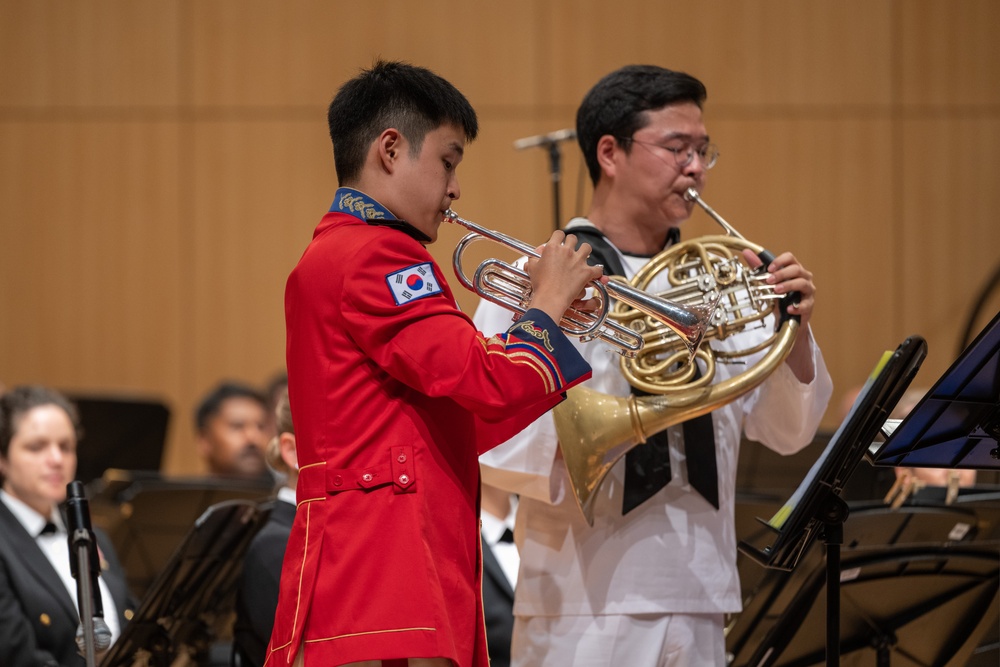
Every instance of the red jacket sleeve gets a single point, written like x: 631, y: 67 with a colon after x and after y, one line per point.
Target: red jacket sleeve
x: 423, y: 340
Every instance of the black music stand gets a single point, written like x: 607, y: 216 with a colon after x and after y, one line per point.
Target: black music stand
x: 816, y: 506
x: 888, y: 609
x: 923, y: 606
x: 147, y: 515
x: 119, y: 432
x: 193, y: 599
x: 957, y: 423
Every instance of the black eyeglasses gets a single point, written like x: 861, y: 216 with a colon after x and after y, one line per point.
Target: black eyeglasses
x: 685, y: 152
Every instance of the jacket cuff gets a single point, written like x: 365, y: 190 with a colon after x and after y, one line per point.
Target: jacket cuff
x: 536, y: 334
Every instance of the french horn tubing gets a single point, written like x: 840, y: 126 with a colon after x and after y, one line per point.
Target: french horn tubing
x: 510, y: 287
x: 595, y: 430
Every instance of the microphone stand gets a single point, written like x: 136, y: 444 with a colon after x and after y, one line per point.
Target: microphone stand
x: 84, y: 564
x: 84, y: 592
x: 555, y: 169
x: 550, y: 141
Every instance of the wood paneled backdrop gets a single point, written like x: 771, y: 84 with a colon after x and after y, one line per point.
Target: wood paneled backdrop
x: 163, y: 163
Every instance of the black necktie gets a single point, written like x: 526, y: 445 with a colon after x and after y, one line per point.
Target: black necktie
x: 49, y: 529
x: 507, y: 536
x: 699, y: 446
x: 647, y: 467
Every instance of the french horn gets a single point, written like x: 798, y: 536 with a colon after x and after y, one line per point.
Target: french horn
x: 595, y: 430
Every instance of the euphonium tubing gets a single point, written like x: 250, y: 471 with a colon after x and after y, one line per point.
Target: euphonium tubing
x: 596, y: 430
x: 509, y: 287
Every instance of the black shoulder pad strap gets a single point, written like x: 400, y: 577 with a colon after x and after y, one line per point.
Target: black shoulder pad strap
x: 602, y: 252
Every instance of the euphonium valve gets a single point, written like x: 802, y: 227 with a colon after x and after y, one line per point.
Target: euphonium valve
x: 510, y: 287
x: 596, y: 430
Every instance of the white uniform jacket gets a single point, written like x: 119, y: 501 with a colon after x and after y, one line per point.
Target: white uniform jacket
x: 674, y: 553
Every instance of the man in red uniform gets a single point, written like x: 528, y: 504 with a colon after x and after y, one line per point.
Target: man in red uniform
x: 394, y: 392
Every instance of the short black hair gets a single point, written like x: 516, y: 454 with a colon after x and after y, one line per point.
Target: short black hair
x: 616, y: 105
x: 18, y: 401
x: 277, y: 382
x: 396, y: 94
x: 283, y: 423
x: 211, y: 404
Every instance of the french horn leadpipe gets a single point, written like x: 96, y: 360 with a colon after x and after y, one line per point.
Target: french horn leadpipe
x: 692, y: 195
x: 510, y: 287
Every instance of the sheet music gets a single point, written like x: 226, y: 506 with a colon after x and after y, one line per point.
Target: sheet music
x: 781, y: 516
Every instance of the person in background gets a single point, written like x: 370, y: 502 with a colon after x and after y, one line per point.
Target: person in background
x: 911, y: 480
x: 275, y: 388
x: 500, y: 563
x: 257, y: 591
x: 230, y: 422
x: 39, y: 612
x: 651, y: 581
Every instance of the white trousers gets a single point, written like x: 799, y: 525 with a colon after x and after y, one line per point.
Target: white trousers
x: 642, y: 640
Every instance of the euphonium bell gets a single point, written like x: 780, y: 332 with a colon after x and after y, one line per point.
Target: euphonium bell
x: 596, y: 430
x: 510, y: 287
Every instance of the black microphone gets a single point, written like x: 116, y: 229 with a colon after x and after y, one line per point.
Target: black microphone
x: 545, y: 139
x: 83, y: 551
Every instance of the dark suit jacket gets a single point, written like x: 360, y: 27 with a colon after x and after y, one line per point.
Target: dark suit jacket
x: 257, y: 592
x: 38, y: 619
x: 498, y: 604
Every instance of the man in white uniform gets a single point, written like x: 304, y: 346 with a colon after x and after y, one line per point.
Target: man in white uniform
x: 651, y: 581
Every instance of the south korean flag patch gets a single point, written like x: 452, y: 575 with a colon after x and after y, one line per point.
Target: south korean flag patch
x: 412, y: 283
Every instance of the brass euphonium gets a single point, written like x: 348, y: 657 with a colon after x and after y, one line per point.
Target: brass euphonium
x: 595, y: 430
x: 508, y: 286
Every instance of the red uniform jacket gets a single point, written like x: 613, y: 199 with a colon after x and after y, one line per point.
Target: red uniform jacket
x: 393, y: 395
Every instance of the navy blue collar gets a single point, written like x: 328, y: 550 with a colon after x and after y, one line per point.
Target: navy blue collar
x: 362, y: 206
x: 357, y: 203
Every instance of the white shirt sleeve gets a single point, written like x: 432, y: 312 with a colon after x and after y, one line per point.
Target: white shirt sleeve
x: 524, y: 464
x: 787, y: 412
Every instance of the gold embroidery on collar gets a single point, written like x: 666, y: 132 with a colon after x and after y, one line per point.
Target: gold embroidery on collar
x: 351, y: 202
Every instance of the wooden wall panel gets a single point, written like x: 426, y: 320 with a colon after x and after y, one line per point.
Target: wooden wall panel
x: 89, y: 262
x: 948, y: 244
x: 768, y: 54
x: 759, y: 54
x: 256, y: 191
x: 268, y: 54
x: 88, y: 53
x: 949, y: 53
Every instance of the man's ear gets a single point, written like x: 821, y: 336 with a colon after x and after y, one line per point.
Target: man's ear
x: 607, y: 149
x: 286, y: 442
x: 389, y: 147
